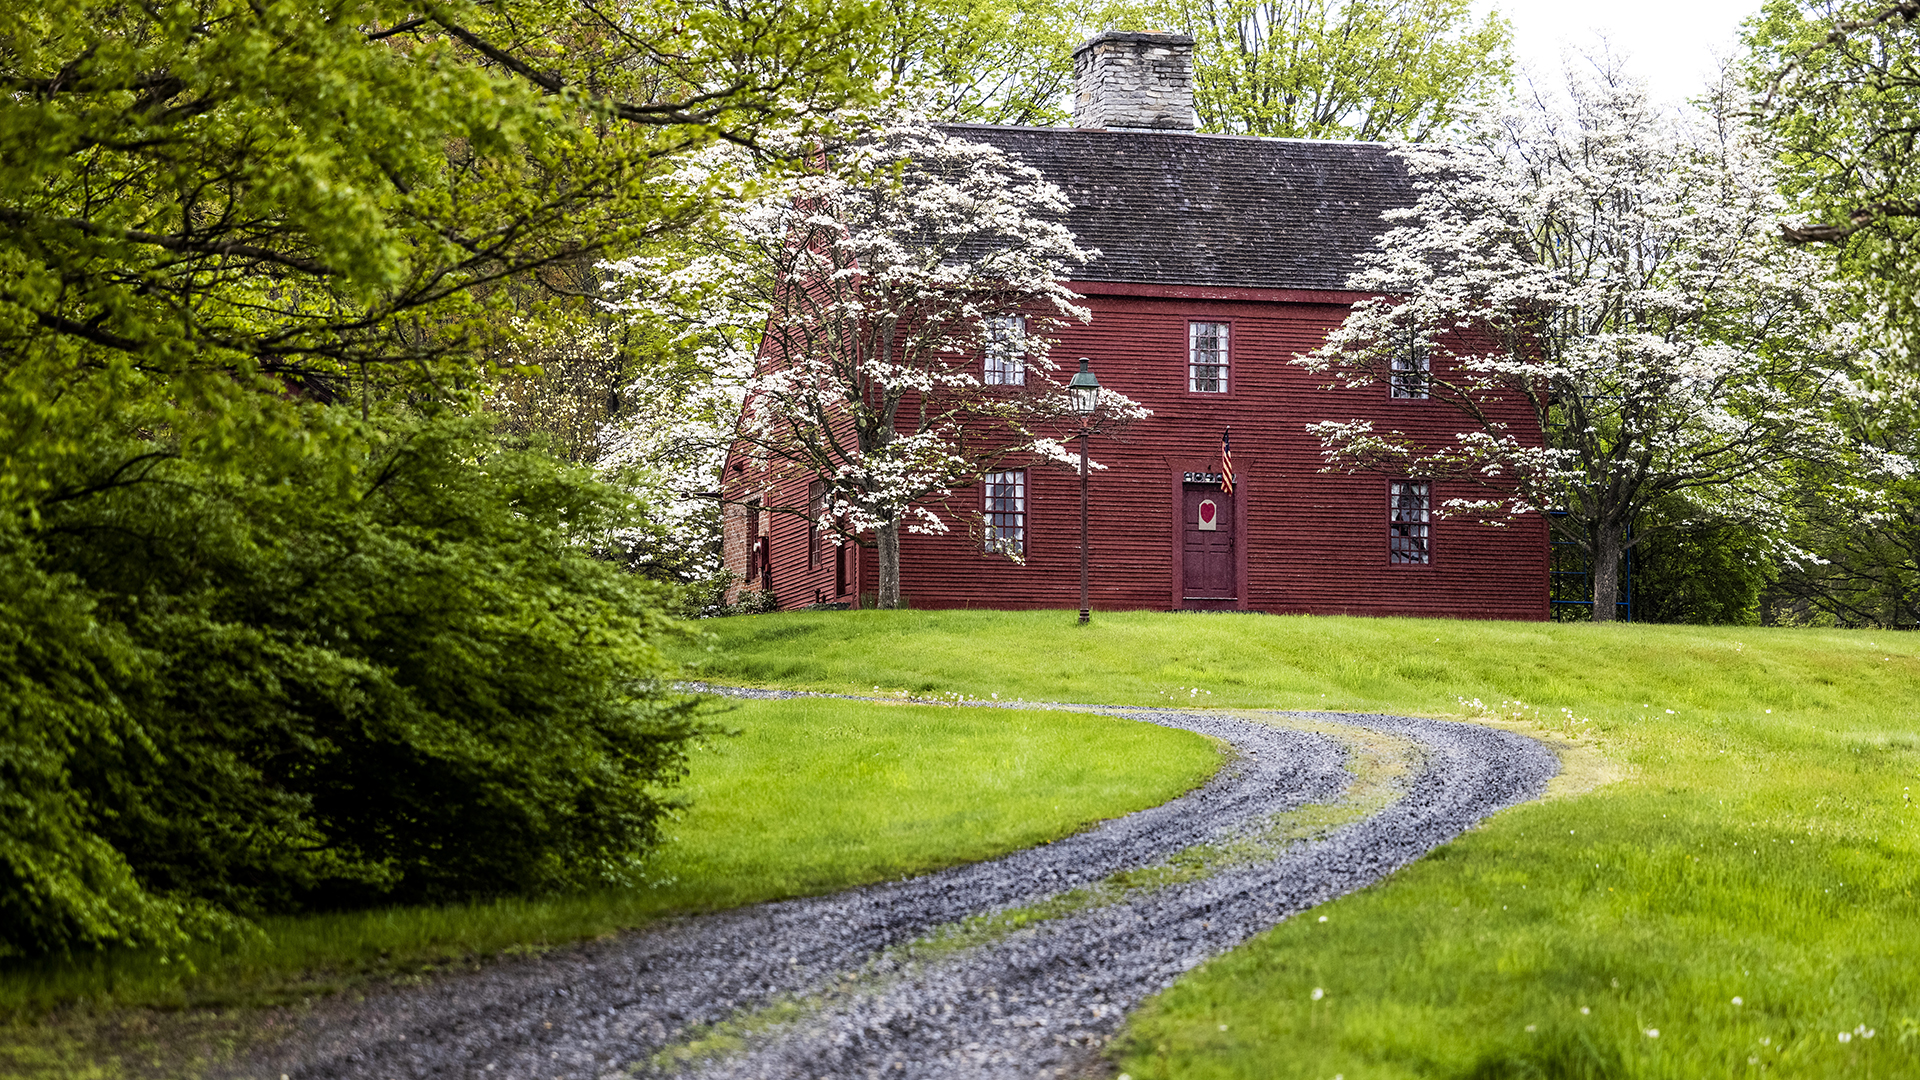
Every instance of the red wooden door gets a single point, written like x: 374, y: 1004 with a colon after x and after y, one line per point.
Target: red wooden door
x: 1206, y: 571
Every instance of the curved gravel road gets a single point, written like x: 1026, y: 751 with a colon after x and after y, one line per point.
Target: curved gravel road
x: 836, y: 986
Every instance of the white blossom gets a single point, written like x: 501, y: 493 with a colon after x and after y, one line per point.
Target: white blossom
x: 1613, y: 270
x: 847, y: 309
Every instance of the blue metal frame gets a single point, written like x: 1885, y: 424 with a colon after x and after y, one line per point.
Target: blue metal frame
x: 1623, y: 609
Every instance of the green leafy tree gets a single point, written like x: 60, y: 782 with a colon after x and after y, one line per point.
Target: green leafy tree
x: 984, y: 61
x: 279, y: 628
x: 1857, y: 523
x: 388, y: 670
x: 1357, y: 69
x: 1702, y: 573
x: 1837, y: 88
x: 221, y: 191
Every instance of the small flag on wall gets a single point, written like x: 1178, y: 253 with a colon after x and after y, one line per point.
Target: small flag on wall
x: 1226, y: 463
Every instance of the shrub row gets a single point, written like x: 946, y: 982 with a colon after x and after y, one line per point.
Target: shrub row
x: 386, y: 669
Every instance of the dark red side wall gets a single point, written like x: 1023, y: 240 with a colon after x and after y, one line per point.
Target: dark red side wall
x: 1311, y: 542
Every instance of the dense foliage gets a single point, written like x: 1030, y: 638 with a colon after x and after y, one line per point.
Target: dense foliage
x: 1355, y: 69
x: 1361, y: 69
x: 1613, y: 269
x: 281, y: 625
x: 388, y: 670
x: 1836, y: 87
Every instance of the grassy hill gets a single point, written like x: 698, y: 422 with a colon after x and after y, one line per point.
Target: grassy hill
x: 807, y: 796
x: 1739, y: 902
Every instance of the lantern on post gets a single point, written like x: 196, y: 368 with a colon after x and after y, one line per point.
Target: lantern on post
x: 1084, y: 390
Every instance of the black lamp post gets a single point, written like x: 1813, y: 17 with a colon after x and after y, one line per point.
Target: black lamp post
x: 1084, y: 391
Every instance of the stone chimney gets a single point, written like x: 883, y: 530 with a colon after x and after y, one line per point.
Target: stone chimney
x: 1134, y: 82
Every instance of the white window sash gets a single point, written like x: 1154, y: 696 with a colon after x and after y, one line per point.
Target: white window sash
x: 1207, y: 357
x: 1006, y: 359
x: 1409, y: 521
x: 1005, y: 511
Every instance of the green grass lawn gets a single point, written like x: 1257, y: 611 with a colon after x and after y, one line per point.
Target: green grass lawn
x: 810, y: 796
x: 1763, y: 845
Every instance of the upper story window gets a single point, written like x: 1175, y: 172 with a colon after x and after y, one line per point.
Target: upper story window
x: 1408, y: 514
x: 1006, y: 350
x: 1005, y: 512
x: 1409, y: 369
x: 1207, y: 357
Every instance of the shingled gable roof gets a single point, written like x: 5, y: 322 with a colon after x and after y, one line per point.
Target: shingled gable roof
x: 1187, y: 209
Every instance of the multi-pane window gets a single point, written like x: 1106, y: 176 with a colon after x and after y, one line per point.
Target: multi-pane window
x: 1408, y: 370
x: 1005, y: 512
x: 754, y: 542
x: 1006, y: 350
x: 816, y: 517
x: 1207, y: 357
x: 1408, y: 515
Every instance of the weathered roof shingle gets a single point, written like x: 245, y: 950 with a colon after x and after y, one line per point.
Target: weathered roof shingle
x: 1185, y: 209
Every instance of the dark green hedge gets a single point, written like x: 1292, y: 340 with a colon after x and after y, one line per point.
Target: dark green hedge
x: 385, y: 669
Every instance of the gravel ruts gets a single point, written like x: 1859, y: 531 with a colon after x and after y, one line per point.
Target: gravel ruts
x: 1038, y: 1001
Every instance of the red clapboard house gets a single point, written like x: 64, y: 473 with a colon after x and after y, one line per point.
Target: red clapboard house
x: 1222, y: 258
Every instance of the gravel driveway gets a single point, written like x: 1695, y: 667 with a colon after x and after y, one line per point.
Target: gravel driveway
x: 1019, y: 967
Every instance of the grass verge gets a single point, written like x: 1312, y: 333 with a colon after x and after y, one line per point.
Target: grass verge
x: 1740, y: 822
x: 811, y: 796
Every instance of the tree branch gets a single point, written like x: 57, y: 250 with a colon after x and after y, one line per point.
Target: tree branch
x: 182, y: 244
x: 1858, y: 219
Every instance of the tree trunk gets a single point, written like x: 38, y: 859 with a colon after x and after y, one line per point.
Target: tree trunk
x: 1606, y: 571
x: 887, y: 544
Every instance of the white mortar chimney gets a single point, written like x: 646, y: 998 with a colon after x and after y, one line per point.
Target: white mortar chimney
x: 1134, y: 82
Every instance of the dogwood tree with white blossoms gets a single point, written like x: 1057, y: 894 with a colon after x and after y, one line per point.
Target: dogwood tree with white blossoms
x: 854, y: 303
x: 1616, y: 269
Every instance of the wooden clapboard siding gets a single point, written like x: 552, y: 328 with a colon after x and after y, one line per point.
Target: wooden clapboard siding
x: 1312, y: 542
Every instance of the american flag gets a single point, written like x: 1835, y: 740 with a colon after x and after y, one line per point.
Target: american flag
x: 1226, y: 463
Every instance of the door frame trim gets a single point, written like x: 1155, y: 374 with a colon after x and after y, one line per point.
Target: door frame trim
x: 1177, y: 468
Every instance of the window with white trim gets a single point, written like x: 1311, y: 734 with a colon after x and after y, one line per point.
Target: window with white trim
x: 1408, y: 518
x: 1006, y: 350
x: 1207, y: 357
x: 1408, y: 370
x: 1005, y: 512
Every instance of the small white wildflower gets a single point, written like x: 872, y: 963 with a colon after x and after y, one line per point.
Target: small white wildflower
x: 1737, y: 1001
x: 1584, y: 1010
x: 1529, y: 1027
x: 1318, y: 993
x: 1652, y: 1033
x: 1846, y: 1036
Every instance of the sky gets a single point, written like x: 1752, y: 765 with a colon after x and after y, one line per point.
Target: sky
x: 1673, y: 44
